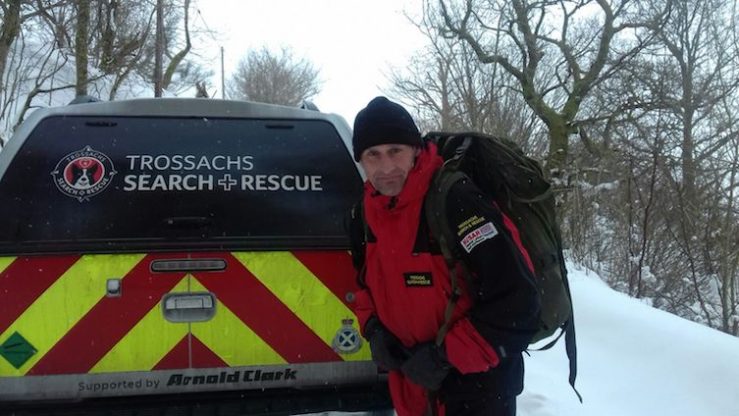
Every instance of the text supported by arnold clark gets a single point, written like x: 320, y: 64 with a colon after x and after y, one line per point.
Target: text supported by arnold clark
x: 237, y: 376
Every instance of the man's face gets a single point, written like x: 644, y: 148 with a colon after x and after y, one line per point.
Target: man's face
x: 387, y: 166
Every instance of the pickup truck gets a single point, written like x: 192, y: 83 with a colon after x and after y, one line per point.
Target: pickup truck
x: 164, y: 254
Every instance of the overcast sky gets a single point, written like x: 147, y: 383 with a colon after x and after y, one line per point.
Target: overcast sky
x: 354, y: 43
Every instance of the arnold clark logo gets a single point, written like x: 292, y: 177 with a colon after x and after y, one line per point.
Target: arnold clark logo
x: 236, y: 376
x: 83, y: 174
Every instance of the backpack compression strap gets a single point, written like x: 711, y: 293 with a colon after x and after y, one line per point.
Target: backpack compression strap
x: 569, y: 331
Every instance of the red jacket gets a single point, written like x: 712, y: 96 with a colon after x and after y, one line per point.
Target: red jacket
x: 409, y: 289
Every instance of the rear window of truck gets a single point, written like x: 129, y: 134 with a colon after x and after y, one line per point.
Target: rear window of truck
x: 110, y: 183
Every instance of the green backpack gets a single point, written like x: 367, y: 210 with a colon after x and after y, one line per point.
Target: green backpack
x: 500, y: 169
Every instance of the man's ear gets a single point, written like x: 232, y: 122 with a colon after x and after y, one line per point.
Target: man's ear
x: 416, y: 152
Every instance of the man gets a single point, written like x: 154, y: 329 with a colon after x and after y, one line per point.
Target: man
x: 478, y: 368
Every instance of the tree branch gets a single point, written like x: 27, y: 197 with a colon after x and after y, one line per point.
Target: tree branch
x: 177, y: 59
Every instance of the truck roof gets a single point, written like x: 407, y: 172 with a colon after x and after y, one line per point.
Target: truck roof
x: 170, y: 107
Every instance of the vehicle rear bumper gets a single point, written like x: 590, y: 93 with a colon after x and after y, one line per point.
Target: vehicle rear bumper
x: 286, y: 401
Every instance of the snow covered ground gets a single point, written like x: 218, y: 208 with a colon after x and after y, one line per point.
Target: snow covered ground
x: 633, y: 360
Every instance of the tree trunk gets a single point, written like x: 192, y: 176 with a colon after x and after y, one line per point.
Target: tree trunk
x: 81, y: 46
x: 446, y: 108
x: 10, y: 29
x: 729, y: 263
x: 159, y: 49
x: 177, y: 59
x: 107, y: 60
x: 558, y: 147
x: 688, y: 163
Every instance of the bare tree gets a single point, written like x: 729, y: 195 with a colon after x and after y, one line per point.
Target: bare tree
x: 119, y: 31
x: 671, y: 131
x: 9, y: 30
x: 38, y: 69
x: 177, y: 59
x: 720, y: 224
x: 14, y: 14
x: 24, y: 63
x: 450, y: 89
x: 275, y: 78
x: 557, y: 51
x: 425, y: 84
x: 697, y: 43
x: 128, y: 32
x: 163, y: 61
x: 650, y: 89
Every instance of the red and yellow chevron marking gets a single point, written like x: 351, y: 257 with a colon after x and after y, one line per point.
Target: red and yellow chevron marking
x: 307, y: 297
x: 23, y: 280
x: 272, y: 308
x: 230, y: 339
x: 283, y: 302
x: 63, y: 304
x: 158, y: 335
x: 103, y: 326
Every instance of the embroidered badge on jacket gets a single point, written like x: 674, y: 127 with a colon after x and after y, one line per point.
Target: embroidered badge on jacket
x: 478, y: 235
x: 418, y: 279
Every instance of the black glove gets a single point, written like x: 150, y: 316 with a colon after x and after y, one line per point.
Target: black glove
x: 427, y: 367
x: 387, y: 350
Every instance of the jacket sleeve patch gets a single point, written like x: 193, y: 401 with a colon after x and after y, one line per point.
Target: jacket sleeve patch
x: 478, y: 235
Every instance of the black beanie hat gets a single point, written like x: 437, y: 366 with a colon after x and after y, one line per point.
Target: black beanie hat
x: 383, y: 122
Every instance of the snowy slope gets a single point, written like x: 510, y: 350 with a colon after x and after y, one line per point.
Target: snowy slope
x: 634, y: 360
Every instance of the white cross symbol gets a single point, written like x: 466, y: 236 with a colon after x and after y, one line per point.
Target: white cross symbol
x: 227, y: 182
x: 347, y: 339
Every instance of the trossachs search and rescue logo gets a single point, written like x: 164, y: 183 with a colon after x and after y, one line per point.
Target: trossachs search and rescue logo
x: 83, y: 174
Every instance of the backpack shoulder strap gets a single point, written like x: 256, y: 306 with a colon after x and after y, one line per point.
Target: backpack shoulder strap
x: 435, y: 210
x: 359, y: 235
x: 436, y: 197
